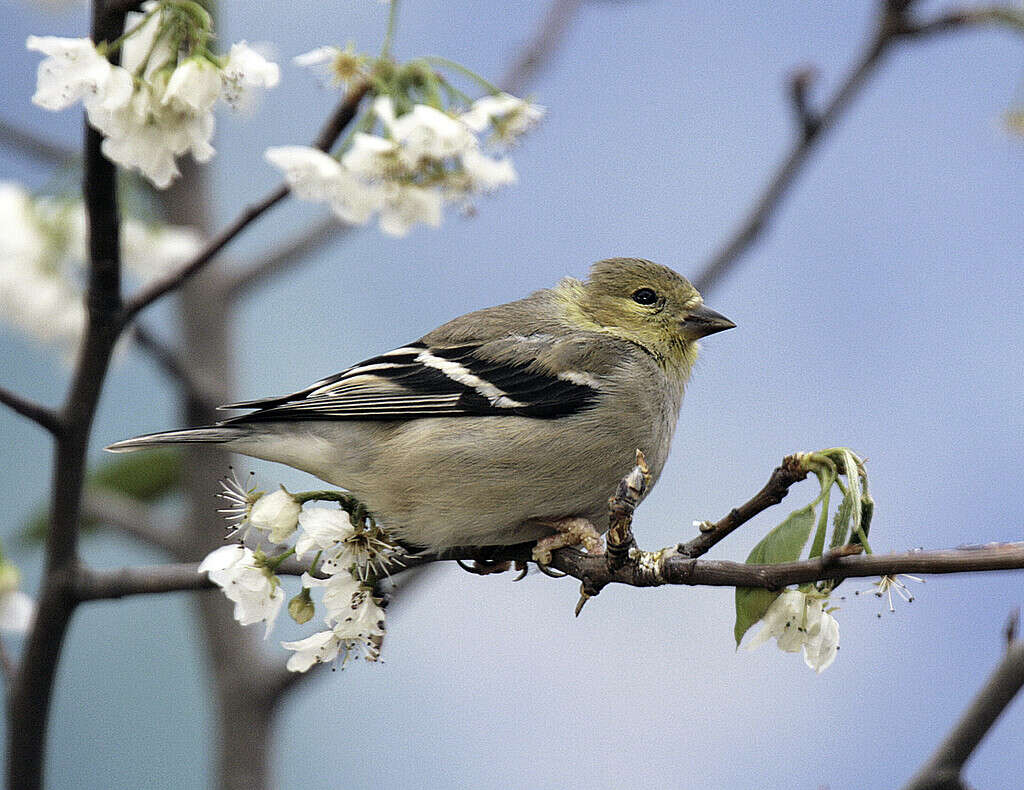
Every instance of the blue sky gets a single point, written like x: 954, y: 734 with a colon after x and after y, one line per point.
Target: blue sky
x: 882, y: 310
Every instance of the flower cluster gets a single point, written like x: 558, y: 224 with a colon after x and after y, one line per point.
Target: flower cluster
x: 424, y: 157
x: 42, y: 255
x: 158, y: 104
x: 346, y: 551
x: 801, y: 621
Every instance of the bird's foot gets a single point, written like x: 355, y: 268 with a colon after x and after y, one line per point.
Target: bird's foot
x: 568, y: 532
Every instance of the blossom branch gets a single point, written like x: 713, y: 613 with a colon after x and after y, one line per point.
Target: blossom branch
x: 39, y: 414
x: 944, y: 768
x: 893, y: 25
x: 332, y: 129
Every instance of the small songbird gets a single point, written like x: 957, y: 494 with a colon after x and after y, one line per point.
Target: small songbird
x: 509, y: 424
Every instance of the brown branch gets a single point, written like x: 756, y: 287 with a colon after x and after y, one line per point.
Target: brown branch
x: 950, y: 21
x: 169, y: 361
x: 286, y: 256
x: 133, y: 518
x: 645, y: 569
x: 94, y: 585
x: 943, y: 770
x: 41, y: 415
x: 541, y: 47
x: 893, y: 25
x: 784, y: 476
x: 32, y: 689
x: 341, y: 117
x: 33, y: 145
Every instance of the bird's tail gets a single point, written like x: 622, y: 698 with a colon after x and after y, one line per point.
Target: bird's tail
x: 214, y: 434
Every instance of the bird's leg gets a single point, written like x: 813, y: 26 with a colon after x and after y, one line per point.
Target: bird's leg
x: 568, y: 532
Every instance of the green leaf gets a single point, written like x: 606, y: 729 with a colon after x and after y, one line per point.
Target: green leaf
x: 783, y: 544
x: 841, y: 523
x: 145, y: 477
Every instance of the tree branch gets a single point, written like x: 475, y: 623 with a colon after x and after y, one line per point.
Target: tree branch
x: 31, y: 144
x: 133, y: 518
x: 41, y: 415
x: 287, y: 255
x: 32, y: 690
x: 544, y: 43
x: 341, y: 117
x: 169, y: 362
x: 893, y: 24
x: 774, y: 491
x: 943, y: 770
x: 650, y: 570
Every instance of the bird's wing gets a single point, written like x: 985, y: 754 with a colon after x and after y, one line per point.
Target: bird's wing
x: 531, y: 376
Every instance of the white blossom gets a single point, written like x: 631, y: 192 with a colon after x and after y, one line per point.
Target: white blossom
x: 166, y: 110
x: 194, y: 86
x: 485, y: 174
x: 405, y: 206
x: 17, y: 609
x: 276, y: 513
x: 245, y: 71
x: 316, y: 57
x: 510, y: 117
x: 799, y: 621
x: 374, y: 158
x: 319, y: 648
x: 256, y: 593
x: 358, y: 624
x: 322, y: 528
x: 73, y: 71
x: 317, y: 177
x: 426, y: 133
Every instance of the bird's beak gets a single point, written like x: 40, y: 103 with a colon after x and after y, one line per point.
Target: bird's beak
x: 703, y: 322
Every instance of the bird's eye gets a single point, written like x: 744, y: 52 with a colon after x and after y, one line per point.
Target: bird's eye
x: 645, y: 296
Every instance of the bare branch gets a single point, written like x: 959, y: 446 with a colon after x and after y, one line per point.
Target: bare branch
x: 784, y: 476
x: 33, y: 145
x: 93, y: 585
x: 893, y: 25
x: 287, y: 255
x: 943, y: 770
x: 41, y: 415
x: 169, y: 362
x: 341, y: 117
x: 545, y: 42
x: 133, y: 518
x: 950, y: 21
x: 32, y: 689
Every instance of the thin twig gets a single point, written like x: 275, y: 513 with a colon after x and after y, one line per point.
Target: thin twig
x: 893, y: 24
x: 778, y: 485
x: 133, y: 518
x: 41, y: 415
x: 341, y: 117
x: 943, y: 770
x: 284, y: 257
x: 33, y: 145
x: 169, y: 361
x: 541, y: 47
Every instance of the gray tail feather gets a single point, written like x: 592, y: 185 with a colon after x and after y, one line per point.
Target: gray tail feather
x: 211, y: 435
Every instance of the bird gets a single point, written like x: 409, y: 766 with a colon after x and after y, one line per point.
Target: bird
x: 507, y: 425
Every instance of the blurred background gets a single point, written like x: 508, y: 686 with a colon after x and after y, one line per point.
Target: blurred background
x: 882, y: 310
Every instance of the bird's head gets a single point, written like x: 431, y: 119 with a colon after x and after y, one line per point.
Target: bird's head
x: 652, y: 306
